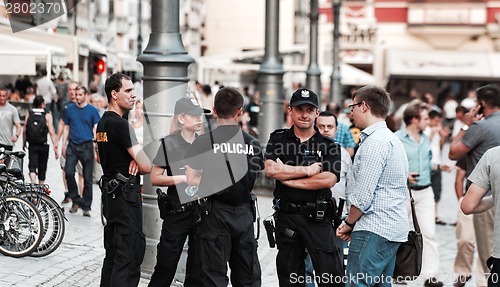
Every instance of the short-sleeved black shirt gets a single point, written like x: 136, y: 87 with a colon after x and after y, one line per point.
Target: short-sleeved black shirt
x: 283, y: 144
x: 253, y: 110
x: 176, y: 148
x: 231, y: 180
x: 114, y: 136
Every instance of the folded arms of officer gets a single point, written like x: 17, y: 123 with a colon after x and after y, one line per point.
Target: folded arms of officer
x: 303, y: 177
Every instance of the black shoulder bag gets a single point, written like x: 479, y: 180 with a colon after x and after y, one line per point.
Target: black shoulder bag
x: 409, y: 255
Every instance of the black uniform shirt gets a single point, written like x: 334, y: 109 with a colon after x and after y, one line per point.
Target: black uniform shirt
x: 283, y: 144
x: 229, y: 160
x: 114, y: 136
x: 176, y: 147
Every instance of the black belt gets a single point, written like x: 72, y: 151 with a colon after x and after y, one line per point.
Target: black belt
x: 419, y: 187
x: 178, y: 208
x: 289, y: 207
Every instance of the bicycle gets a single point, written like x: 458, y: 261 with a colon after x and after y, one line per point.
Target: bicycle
x: 12, y: 182
x: 21, y: 226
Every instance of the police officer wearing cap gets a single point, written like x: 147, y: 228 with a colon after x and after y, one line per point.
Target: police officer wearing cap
x: 180, y: 220
x: 122, y: 160
x: 305, y: 165
x: 225, y: 163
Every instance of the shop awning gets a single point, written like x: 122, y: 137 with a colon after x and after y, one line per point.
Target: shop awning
x: 19, y: 56
x: 443, y: 64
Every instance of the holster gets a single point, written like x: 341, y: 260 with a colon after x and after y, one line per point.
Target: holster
x: 205, y: 206
x: 269, y: 226
x: 121, y: 185
x: 163, y: 202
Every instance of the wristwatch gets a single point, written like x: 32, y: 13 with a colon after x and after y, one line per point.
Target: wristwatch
x: 465, y: 128
x: 349, y: 224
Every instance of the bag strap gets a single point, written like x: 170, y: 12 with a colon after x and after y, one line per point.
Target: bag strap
x: 164, y: 150
x: 413, y: 214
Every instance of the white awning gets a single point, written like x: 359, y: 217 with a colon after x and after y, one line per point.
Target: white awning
x: 442, y: 64
x: 24, y: 65
x: 24, y: 55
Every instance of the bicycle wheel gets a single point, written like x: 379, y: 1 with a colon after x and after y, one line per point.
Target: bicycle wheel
x: 53, y: 222
x: 21, y: 226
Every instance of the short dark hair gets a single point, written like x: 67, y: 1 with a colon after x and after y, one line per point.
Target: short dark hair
x: 461, y: 109
x: 227, y: 102
x: 328, y: 114
x: 434, y: 114
x: 490, y: 94
x: 80, y: 87
x: 376, y: 98
x: 114, y: 83
x: 413, y: 111
x: 38, y: 101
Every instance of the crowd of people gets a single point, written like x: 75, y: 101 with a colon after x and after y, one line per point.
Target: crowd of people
x: 365, y: 154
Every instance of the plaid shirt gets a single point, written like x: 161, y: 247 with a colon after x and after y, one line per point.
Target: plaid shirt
x: 378, y: 188
x: 344, y: 136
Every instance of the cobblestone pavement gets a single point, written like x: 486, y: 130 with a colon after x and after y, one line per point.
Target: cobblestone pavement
x: 78, y: 260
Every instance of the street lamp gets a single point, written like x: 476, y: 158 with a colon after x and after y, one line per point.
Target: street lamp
x: 165, y: 62
x: 335, y: 91
x: 313, y: 79
x: 270, y: 76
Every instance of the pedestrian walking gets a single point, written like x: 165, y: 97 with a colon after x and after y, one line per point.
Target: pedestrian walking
x: 180, y: 221
x: 224, y: 163
x: 418, y: 150
x: 475, y: 138
x: 46, y: 88
x: 122, y: 161
x: 9, y: 119
x: 305, y: 165
x: 80, y: 121
x: 37, y: 124
x: 485, y: 179
x: 466, y: 239
x: 378, y: 221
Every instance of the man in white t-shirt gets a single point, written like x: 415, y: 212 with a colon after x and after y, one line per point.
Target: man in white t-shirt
x: 46, y: 88
x: 9, y: 118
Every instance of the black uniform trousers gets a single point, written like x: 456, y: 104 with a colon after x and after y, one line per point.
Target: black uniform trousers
x: 293, y: 235
x: 176, y: 228
x: 124, y: 240
x: 227, y: 235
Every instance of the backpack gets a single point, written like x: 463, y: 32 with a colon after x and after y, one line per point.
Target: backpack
x: 36, y: 128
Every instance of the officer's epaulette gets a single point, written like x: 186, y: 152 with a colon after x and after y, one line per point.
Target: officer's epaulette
x: 279, y: 132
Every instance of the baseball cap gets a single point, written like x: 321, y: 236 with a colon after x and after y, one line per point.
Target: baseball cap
x: 304, y: 96
x: 189, y: 106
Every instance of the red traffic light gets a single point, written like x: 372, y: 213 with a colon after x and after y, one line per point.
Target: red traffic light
x: 100, y: 66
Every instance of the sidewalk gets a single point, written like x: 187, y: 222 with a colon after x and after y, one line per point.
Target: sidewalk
x: 77, y: 262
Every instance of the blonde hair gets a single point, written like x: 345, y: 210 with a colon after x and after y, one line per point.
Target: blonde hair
x: 175, y: 125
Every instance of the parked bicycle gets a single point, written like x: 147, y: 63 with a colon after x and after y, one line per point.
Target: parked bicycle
x: 52, y: 215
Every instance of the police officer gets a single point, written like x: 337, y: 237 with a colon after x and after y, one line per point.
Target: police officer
x: 122, y: 160
x: 225, y: 163
x: 306, y: 165
x: 179, y: 220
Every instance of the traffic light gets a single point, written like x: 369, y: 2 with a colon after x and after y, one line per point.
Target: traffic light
x: 100, y: 66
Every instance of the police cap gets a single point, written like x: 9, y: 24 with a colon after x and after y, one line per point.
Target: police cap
x: 189, y: 106
x: 304, y: 96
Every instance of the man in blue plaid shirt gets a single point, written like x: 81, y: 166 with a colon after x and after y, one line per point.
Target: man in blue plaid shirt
x: 378, y: 221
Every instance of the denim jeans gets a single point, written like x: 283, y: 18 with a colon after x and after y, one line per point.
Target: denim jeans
x: 85, y: 153
x: 371, y: 260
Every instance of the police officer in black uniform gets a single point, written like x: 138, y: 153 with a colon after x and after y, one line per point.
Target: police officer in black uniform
x: 122, y: 160
x: 179, y: 220
x: 225, y: 163
x: 305, y: 165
